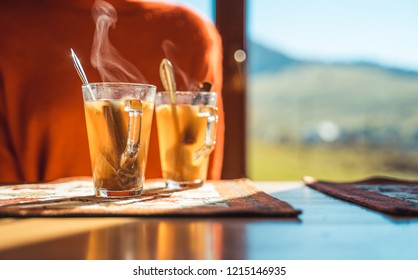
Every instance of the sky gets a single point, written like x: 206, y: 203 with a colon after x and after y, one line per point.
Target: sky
x: 380, y: 31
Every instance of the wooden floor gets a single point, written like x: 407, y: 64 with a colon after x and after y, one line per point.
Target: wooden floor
x: 327, y: 229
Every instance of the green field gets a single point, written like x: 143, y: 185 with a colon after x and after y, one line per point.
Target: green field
x: 267, y: 161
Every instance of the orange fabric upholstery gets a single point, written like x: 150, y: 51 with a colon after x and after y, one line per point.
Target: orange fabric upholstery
x: 42, y: 126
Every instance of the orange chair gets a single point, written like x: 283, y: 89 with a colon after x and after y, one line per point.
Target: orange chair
x: 42, y: 127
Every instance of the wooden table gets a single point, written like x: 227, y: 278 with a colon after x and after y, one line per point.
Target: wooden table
x: 327, y: 229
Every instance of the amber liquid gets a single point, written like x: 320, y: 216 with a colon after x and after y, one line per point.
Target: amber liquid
x: 180, y: 142
x: 114, y: 166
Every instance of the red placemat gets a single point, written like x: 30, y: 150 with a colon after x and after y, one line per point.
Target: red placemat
x: 383, y: 194
x: 74, y: 197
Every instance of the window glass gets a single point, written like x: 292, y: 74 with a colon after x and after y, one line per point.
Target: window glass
x: 332, y: 89
x: 203, y: 7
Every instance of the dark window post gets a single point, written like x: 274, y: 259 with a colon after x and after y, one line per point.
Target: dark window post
x: 230, y: 21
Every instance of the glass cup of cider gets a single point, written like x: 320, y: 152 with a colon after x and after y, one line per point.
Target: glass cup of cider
x: 186, y: 125
x: 118, y: 119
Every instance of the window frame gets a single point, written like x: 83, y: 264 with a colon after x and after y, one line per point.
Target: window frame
x: 230, y: 19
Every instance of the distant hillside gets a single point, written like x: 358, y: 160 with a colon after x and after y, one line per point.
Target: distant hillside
x: 262, y: 59
x: 366, y: 103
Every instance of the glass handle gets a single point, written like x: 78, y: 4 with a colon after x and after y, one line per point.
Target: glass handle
x: 211, y: 113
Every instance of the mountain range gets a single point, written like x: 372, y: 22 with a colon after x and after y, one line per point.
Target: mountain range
x: 263, y: 59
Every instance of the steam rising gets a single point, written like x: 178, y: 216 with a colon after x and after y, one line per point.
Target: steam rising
x: 105, y: 58
x: 169, y: 49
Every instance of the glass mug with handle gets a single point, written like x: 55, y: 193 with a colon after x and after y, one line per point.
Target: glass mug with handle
x: 186, y: 126
x: 118, y: 119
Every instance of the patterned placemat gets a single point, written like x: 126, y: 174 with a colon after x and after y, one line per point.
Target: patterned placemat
x: 383, y: 194
x: 74, y: 197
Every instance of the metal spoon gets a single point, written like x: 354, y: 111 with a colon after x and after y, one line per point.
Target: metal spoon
x: 167, y: 78
x: 169, y: 84
x: 80, y: 72
x: 79, y: 68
